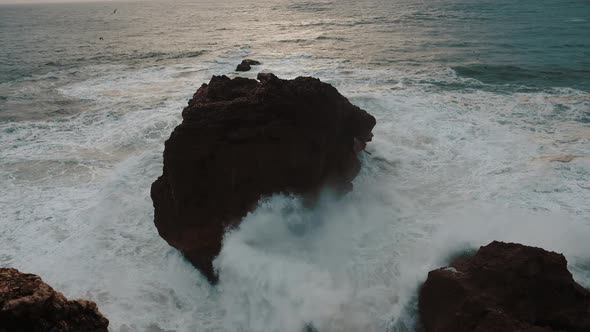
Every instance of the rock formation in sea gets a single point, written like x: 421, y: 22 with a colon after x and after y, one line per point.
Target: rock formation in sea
x: 29, y: 304
x: 505, y: 287
x: 242, y: 139
x: 247, y: 64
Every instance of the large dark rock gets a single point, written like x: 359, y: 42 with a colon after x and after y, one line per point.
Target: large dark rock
x: 27, y: 304
x: 242, y: 139
x: 505, y: 287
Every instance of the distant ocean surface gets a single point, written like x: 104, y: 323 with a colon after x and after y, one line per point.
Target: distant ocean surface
x: 475, y: 102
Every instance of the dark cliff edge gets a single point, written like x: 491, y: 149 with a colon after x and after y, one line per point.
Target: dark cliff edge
x: 242, y: 139
x: 505, y: 287
x: 27, y: 304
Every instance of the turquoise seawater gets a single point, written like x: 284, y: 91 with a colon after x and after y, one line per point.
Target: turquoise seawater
x: 476, y: 102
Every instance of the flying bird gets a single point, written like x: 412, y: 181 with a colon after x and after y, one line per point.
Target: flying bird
x: 114, y: 12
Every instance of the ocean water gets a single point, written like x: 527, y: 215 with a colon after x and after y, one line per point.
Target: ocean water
x: 474, y: 101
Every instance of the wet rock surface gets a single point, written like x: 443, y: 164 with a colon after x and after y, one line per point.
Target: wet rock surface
x: 505, y: 287
x: 27, y: 304
x: 242, y: 139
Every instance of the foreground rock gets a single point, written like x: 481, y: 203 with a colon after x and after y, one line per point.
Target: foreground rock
x: 29, y: 304
x: 505, y: 287
x: 247, y: 64
x: 242, y: 139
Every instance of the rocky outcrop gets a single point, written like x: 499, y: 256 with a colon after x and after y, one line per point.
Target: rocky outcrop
x: 242, y: 139
x: 505, y: 287
x: 27, y: 304
x: 247, y: 64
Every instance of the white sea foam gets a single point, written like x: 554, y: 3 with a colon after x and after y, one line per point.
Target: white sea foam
x: 444, y: 176
x: 449, y: 170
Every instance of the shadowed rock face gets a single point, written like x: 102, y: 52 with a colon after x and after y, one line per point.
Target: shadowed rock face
x: 505, y: 287
x: 28, y: 304
x: 242, y: 139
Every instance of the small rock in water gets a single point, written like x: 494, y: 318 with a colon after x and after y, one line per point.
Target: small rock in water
x: 243, y: 67
x: 251, y: 62
x: 247, y: 64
